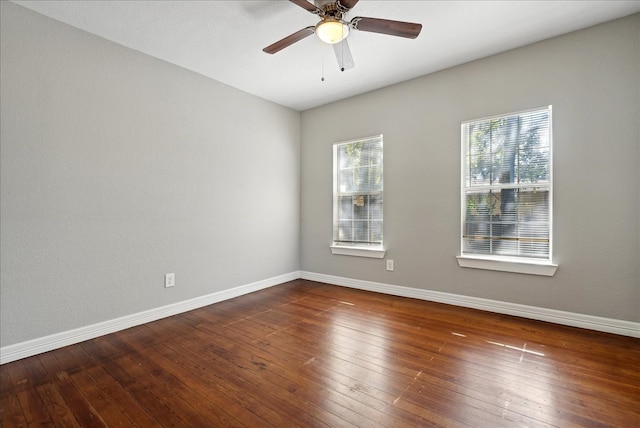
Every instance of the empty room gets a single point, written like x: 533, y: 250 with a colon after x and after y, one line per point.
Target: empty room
x: 330, y: 213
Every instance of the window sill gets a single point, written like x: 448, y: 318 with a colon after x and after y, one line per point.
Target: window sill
x: 375, y: 252
x: 506, y: 264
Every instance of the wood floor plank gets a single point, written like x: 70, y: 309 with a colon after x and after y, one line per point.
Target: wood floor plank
x: 365, y: 375
x: 254, y: 375
x: 7, y: 386
x: 11, y: 413
x: 33, y: 408
x: 307, y: 354
x: 177, y: 395
x: 109, y: 389
x: 385, y: 376
x: 142, y: 391
x: 524, y: 400
x: 83, y: 412
x: 497, y: 353
x: 56, y: 406
x: 167, y: 389
x: 250, y: 337
x: 511, y: 403
x: 110, y: 413
x: 18, y: 376
x: 248, y: 388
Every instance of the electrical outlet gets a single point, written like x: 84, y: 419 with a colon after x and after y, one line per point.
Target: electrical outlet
x: 169, y: 280
x: 390, y: 265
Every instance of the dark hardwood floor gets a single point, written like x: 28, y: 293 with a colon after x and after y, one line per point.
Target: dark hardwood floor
x: 305, y: 354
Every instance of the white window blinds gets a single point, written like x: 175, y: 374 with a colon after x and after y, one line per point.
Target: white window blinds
x: 358, y: 187
x: 506, y: 185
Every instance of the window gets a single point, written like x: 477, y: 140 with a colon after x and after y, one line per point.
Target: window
x: 358, y: 197
x: 506, y: 189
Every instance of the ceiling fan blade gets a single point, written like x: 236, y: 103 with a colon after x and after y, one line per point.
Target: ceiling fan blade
x: 346, y: 4
x: 289, y: 40
x: 306, y: 5
x: 409, y: 30
x: 343, y: 55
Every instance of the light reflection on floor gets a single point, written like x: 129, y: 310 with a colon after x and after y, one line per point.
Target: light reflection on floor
x: 515, y: 387
x: 361, y: 352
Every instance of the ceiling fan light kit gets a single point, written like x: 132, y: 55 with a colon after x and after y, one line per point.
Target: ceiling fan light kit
x: 332, y: 29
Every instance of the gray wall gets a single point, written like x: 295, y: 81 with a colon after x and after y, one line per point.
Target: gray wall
x: 591, y: 78
x: 117, y: 168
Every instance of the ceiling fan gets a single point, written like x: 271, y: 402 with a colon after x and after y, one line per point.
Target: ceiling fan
x: 333, y: 29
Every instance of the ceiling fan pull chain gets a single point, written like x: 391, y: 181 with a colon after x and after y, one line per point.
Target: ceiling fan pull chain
x: 342, y: 53
x: 322, y: 60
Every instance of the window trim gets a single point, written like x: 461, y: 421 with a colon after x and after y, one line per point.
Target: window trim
x: 525, y: 265
x: 369, y: 250
x: 373, y: 251
x: 529, y: 266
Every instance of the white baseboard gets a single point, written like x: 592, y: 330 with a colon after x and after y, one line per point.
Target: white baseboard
x: 58, y: 340
x: 48, y: 343
x: 607, y: 325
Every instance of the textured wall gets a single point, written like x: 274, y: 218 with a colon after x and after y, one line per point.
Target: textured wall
x: 118, y: 168
x: 591, y: 79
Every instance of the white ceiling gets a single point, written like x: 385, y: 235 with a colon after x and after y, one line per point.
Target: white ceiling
x: 224, y: 39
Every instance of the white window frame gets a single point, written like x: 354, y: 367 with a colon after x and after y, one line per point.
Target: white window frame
x: 371, y: 250
x: 515, y: 264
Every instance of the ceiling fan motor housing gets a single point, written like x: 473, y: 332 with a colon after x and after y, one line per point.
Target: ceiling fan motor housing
x: 330, y: 9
